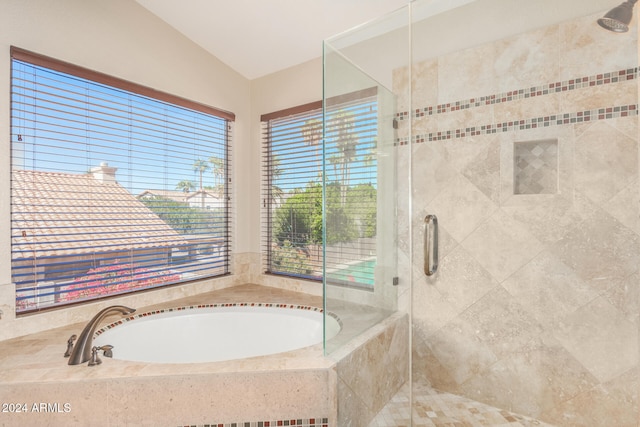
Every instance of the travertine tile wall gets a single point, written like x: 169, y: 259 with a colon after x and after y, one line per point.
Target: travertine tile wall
x: 535, y: 305
x: 371, y: 369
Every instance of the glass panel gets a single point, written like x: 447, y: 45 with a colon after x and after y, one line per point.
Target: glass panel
x: 360, y: 176
x: 525, y: 147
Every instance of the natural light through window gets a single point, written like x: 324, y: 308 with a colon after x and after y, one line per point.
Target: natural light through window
x: 112, y: 190
x: 292, y: 220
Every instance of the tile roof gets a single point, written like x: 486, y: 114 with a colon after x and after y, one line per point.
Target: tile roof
x: 63, y: 214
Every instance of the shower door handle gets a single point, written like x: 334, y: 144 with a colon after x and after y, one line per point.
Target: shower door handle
x: 430, y: 245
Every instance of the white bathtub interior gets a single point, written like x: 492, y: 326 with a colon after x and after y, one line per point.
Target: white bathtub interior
x: 215, y: 333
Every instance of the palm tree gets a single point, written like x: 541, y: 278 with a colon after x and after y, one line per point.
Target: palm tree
x: 335, y: 160
x: 312, y: 135
x: 201, y: 166
x: 219, y: 170
x: 185, y: 186
x: 276, y: 192
x: 343, y: 125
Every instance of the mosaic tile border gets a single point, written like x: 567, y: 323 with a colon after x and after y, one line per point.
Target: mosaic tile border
x: 216, y: 305
x: 518, y: 94
x: 530, y: 123
x: 524, y: 124
x: 297, y: 422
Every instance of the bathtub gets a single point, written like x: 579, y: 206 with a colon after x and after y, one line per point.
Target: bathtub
x: 215, y: 332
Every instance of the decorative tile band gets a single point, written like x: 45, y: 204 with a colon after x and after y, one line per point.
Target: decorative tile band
x: 217, y: 305
x: 514, y: 95
x: 308, y: 422
x: 525, y: 124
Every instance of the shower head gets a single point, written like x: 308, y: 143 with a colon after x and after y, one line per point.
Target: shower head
x: 618, y: 18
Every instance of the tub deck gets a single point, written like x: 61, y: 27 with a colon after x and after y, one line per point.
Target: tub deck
x: 39, y: 357
x: 33, y: 371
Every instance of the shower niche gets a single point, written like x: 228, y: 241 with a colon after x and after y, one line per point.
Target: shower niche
x: 535, y: 167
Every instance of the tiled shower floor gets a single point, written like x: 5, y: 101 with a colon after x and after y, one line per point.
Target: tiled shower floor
x: 436, y: 409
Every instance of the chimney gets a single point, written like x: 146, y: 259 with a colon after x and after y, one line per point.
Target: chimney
x: 104, y: 173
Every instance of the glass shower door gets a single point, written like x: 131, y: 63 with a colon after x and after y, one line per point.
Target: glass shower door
x: 524, y: 144
x: 515, y: 124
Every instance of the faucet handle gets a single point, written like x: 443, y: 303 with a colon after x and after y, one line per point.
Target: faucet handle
x: 70, y: 341
x: 106, y: 350
x: 95, y: 360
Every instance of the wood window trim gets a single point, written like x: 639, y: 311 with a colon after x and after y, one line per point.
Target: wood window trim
x: 95, y: 76
x: 364, y: 93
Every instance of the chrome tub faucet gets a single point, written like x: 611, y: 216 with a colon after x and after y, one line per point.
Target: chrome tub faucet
x: 81, y: 351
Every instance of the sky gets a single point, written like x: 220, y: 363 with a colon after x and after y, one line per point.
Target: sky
x: 66, y: 124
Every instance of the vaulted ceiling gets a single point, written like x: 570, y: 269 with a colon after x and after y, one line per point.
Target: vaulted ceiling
x: 259, y: 37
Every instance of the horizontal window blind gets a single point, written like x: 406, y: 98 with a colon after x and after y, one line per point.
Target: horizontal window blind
x: 292, y: 192
x: 292, y: 181
x: 112, y: 191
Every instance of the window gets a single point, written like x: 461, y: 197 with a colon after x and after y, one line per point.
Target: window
x: 292, y: 211
x: 115, y: 187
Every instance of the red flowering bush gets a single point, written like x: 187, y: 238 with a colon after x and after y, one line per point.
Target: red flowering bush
x: 114, y: 279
